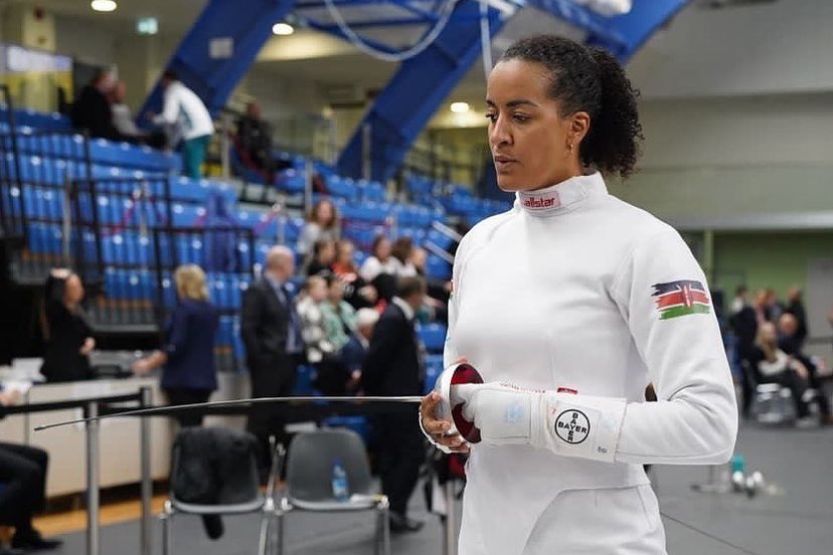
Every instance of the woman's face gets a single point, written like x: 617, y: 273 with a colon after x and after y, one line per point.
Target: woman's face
x: 532, y: 145
x: 419, y: 256
x: 336, y: 292
x: 768, y: 333
x: 327, y: 253
x: 73, y: 290
x: 324, y: 213
x: 383, y: 250
x: 345, y: 253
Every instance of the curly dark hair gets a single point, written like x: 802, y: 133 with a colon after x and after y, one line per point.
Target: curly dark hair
x: 589, y: 79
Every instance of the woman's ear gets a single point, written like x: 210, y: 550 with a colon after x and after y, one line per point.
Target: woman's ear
x: 579, y: 126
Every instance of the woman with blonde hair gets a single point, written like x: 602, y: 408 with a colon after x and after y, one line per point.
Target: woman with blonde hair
x: 189, y: 374
x: 772, y: 365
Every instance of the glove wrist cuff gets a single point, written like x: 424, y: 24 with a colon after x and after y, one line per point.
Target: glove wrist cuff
x: 581, y: 425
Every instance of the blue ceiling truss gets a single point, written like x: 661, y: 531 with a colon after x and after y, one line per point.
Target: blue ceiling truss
x: 404, y: 106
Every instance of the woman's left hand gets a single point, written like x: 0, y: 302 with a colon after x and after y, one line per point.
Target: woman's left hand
x: 87, y: 347
x: 142, y: 366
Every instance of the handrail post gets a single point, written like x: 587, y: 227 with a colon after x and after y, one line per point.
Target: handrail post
x: 92, y: 428
x: 146, y: 538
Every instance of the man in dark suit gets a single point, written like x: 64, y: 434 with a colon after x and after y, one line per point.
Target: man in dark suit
x: 92, y: 112
x: 271, y: 334
x: 392, y: 367
x: 744, y: 324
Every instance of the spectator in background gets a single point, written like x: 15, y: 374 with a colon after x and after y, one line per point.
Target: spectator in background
x: 402, y: 252
x: 322, y: 223
x: 183, y: 107
x: 356, y: 292
x: 339, y: 316
x: 254, y: 137
x: 392, y: 367
x: 355, y: 351
x: 23, y: 471
x: 795, y: 306
x: 122, y: 118
x: 323, y: 256
x: 313, y: 332
x: 744, y: 324
x: 760, y: 307
x: 774, y: 308
x: 69, y: 336
x: 438, y: 290
x: 272, y: 337
x: 189, y: 375
x: 790, y: 342
x: 773, y: 365
x: 92, y: 112
x: 740, y: 301
x: 339, y: 326
x: 380, y: 269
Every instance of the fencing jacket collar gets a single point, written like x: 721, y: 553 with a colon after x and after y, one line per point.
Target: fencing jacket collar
x: 561, y: 197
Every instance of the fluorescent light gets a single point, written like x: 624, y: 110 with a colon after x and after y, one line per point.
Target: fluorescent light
x: 104, y: 5
x: 282, y: 29
x: 459, y: 107
x: 147, y: 26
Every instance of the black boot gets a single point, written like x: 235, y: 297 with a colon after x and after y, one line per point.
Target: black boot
x: 29, y: 539
x: 400, y: 523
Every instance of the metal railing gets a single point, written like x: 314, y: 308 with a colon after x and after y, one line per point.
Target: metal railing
x: 37, y: 168
x: 93, y: 407
x: 12, y: 222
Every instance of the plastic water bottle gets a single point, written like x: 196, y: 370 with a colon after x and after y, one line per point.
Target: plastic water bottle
x: 341, y: 489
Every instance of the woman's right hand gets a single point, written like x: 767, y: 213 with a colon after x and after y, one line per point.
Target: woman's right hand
x: 438, y: 429
x: 10, y: 397
x: 87, y: 347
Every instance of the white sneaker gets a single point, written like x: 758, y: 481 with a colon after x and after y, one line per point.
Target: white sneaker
x: 806, y: 422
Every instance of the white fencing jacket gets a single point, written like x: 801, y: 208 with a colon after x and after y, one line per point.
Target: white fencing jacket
x: 576, y: 289
x: 182, y: 105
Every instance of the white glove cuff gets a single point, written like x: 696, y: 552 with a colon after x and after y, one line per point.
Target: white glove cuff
x: 579, y: 425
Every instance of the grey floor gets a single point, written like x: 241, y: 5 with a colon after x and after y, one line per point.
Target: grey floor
x: 794, y: 518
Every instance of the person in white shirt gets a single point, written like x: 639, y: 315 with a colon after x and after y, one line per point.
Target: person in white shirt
x: 402, y: 251
x: 183, y: 107
x: 122, y: 118
x: 381, y: 269
x: 568, y: 306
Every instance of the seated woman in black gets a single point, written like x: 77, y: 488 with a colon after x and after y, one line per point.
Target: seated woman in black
x: 69, y: 337
x: 189, y: 374
x: 772, y: 365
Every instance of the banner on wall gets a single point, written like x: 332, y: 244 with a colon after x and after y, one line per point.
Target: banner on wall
x: 34, y: 76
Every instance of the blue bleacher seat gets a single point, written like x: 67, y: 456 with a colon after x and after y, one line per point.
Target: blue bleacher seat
x: 433, y: 337
x: 433, y: 369
x: 291, y: 181
x: 437, y: 268
x: 45, y: 238
x: 31, y: 118
x: 342, y: 187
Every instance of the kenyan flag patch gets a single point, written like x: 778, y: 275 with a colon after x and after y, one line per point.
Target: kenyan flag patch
x: 681, y: 298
